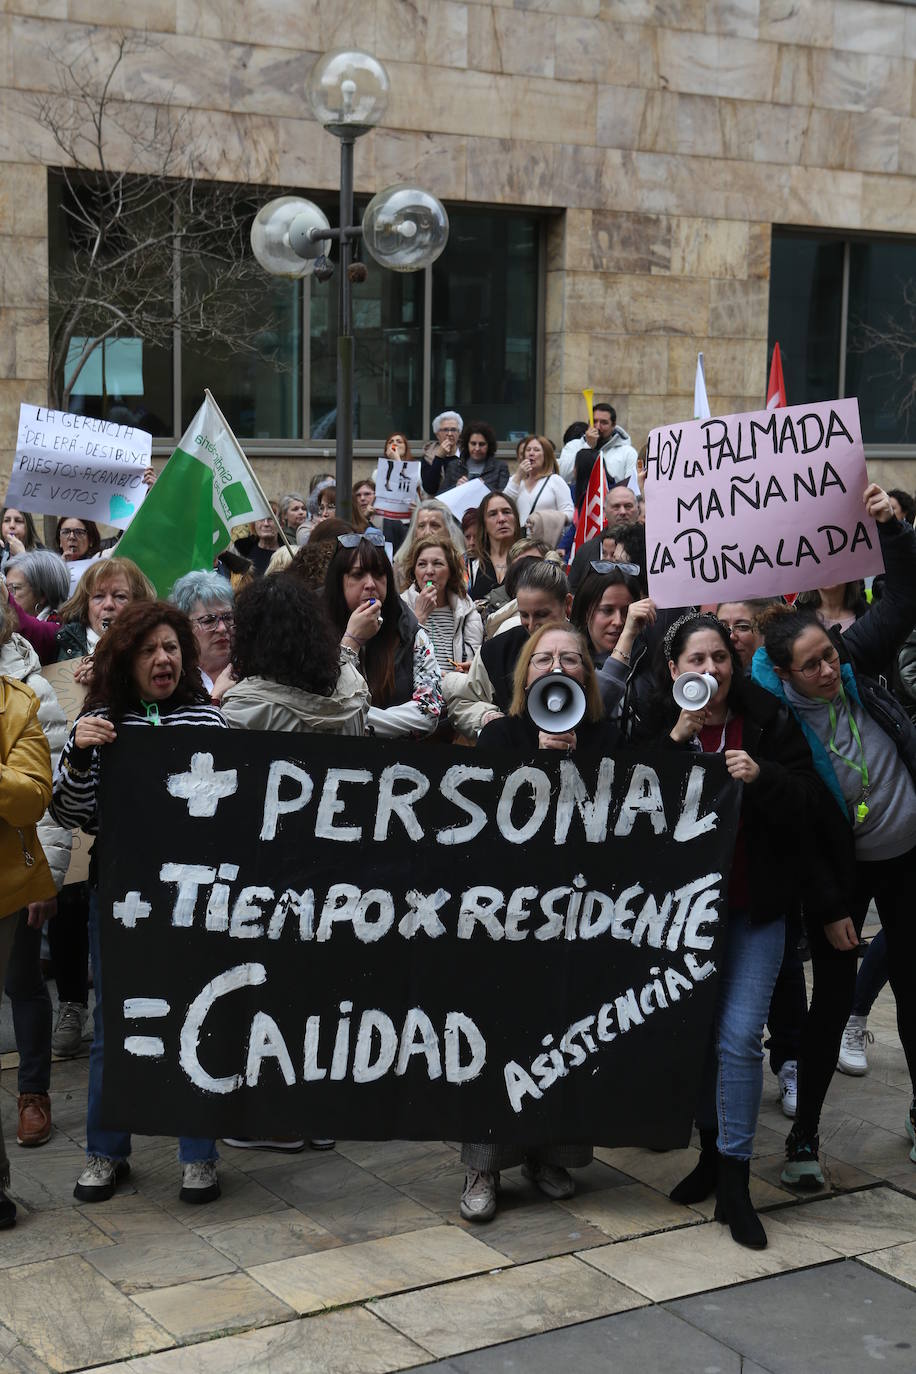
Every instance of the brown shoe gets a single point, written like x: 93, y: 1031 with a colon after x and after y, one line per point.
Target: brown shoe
x: 34, y: 1119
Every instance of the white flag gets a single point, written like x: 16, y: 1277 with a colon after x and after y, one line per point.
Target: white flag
x: 701, y: 409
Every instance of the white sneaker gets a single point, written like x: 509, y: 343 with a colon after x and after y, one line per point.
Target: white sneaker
x: 199, y: 1182
x: 852, y: 1058
x: 478, y: 1200
x: 788, y: 1087
x: 100, y: 1178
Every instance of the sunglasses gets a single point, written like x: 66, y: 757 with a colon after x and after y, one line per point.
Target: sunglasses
x: 602, y: 566
x: 351, y: 541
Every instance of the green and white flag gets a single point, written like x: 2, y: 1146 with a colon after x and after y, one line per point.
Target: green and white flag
x: 204, y: 489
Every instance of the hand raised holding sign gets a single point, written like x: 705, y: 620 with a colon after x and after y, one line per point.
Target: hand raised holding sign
x: 878, y: 504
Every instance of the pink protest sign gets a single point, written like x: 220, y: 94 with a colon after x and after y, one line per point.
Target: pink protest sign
x: 758, y: 505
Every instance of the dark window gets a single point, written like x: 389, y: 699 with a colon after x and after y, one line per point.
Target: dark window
x: 865, y: 352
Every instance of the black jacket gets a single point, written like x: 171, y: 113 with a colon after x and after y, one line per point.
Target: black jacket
x: 499, y: 656
x: 777, y: 807
x: 495, y: 473
x: 521, y: 733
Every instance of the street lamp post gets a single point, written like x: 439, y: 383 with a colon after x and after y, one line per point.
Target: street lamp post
x: 404, y: 228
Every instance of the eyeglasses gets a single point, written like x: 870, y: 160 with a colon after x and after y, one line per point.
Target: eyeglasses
x: 812, y: 668
x: 74, y: 534
x: 741, y: 627
x: 446, y: 430
x: 210, y: 622
x: 601, y: 566
x: 351, y: 541
x: 567, y: 659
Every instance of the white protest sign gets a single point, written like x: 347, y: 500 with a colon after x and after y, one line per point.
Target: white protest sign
x: 76, y: 465
x: 395, y: 488
x: 758, y: 505
x: 464, y: 497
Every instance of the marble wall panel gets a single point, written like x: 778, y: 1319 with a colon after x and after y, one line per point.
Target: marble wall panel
x: 286, y: 23
x: 525, y: 42
x: 346, y: 24
x: 858, y: 81
x: 677, y: 123
x: 574, y: 9
x: 866, y: 26
x: 630, y: 243
x: 437, y: 99
x: 738, y: 309
x: 738, y: 18
x: 447, y: 34
x: 672, y: 14
x: 759, y: 239
x: 709, y: 247
x: 569, y: 238
x: 435, y: 161
x: 827, y: 138
x: 907, y: 149
x: 307, y: 156
x: 732, y: 365
x: 586, y: 176
x: 510, y: 173
x: 8, y: 334
x: 401, y: 29
x: 553, y: 111
x: 24, y: 272
x: 158, y: 16
x: 706, y: 64
x: 805, y: 22
x: 555, y: 284
x: 484, y: 53
x: 793, y: 76
x: 614, y: 54
x: 620, y: 365
x: 874, y: 142
x: 23, y: 199
x: 666, y: 305
x: 621, y: 112
x: 888, y: 203
x: 816, y: 196
x: 909, y: 33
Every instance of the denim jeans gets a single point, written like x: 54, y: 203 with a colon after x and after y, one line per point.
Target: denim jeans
x: 116, y: 1144
x: 733, y: 1076
x: 30, y: 1003
x: 873, y: 974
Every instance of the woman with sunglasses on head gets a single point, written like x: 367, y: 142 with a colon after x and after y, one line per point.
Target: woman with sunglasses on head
x: 394, y: 651
x: 864, y: 749
x: 208, y: 601
x: 555, y: 647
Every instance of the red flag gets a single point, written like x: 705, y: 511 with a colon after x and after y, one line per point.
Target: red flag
x: 591, y: 514
x: 776, y: 389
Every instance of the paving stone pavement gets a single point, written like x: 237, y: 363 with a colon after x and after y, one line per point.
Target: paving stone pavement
x: 357, y: 1262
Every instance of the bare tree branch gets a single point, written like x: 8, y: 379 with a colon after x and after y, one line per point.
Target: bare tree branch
x: 893, y: 346
x: 126, y: 231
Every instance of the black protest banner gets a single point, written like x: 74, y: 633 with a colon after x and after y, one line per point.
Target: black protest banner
x: 360, y: 939
x: 758, y: 505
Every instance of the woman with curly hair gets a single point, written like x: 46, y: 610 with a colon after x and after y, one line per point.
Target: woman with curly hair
x: 477, y: 459
x: 145, y: 674
x: 395, y: 654
x: 437, y: 597
x: 291, y: 671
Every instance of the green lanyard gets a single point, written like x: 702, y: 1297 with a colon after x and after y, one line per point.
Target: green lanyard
x: 152, y: 711
x: 860, y: 768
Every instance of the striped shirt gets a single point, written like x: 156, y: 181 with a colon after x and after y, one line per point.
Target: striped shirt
x: 75, y: 803
x: 440, y: 626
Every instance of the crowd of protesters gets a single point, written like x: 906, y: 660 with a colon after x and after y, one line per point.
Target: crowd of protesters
x: 436, y: 629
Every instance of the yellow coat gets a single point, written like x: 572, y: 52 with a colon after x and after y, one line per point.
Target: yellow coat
x: 25, y: 790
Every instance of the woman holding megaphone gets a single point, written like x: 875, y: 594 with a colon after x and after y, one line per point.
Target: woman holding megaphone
x: 704, y: 702
x: 555, y: 704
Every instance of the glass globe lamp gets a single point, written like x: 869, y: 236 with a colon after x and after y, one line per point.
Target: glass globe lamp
x: 280, y: 236
x: 405, y: 228
x: 348, y: 91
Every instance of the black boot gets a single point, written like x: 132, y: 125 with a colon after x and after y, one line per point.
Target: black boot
x: 734, y: 1206
x: 701, y: 1182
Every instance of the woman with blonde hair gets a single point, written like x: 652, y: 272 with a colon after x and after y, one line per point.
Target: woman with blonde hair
x: 536, y: 484
x: 430, y: 519
x: 101, y: 594
x: 553, y: 648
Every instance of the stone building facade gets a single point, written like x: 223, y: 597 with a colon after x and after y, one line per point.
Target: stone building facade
x: 661, y: 139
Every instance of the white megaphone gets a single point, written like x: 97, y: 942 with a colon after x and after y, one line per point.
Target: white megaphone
x: 556, y: 703
x: 694, y: 691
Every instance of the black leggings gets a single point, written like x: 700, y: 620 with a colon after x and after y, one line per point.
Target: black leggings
x: 68, y: 939
x: 892, y: 884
